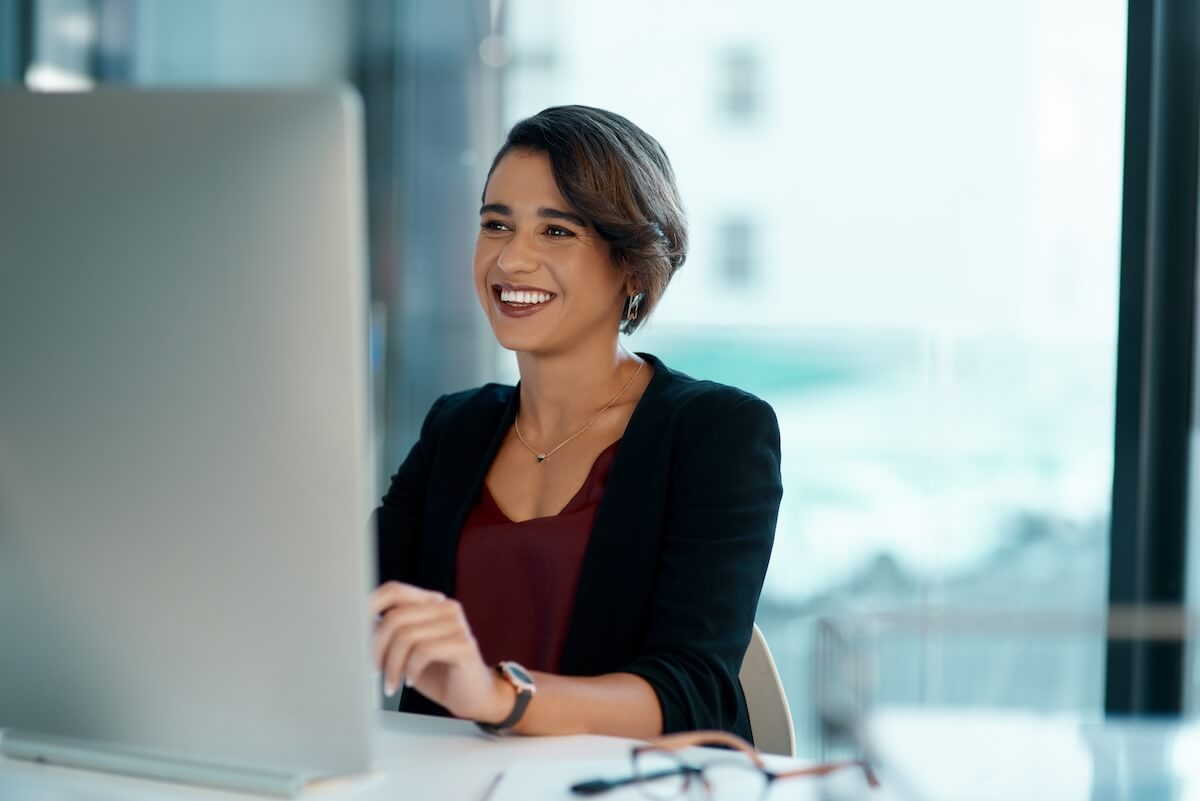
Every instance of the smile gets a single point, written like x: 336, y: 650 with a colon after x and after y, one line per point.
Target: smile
x: 520, y: 301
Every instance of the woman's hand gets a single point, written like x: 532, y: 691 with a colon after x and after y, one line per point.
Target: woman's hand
x: 422, y: 638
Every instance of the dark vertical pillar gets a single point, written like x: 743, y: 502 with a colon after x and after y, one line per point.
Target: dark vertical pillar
x: 1155, y: 346
x: 16, y: 39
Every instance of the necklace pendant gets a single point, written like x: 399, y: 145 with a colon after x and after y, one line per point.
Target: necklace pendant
x: 541, y: 457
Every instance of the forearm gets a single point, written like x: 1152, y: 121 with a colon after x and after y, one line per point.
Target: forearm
x: 617, y: 704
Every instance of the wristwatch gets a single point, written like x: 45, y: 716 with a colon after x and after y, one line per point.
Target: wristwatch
x: 521, y: 681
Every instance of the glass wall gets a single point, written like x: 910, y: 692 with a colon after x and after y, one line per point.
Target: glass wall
x: 905, y: 222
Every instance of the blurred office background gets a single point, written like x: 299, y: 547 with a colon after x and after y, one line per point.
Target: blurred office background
x: 906, y: 224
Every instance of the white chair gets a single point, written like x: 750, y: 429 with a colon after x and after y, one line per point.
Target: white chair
x: 770, y: 716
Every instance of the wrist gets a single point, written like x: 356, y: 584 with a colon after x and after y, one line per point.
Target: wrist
x: 501, y: 699
x: 516, y: 696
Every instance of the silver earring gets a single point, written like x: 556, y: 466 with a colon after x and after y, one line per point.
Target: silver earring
x: 632, y: 305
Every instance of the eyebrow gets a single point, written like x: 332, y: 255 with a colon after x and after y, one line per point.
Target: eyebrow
x: 548, y: 213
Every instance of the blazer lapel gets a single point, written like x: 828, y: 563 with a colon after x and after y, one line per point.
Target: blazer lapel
x: 616, y: 576
x: 475, y: 447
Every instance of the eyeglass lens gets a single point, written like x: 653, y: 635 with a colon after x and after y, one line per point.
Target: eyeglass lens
x: 664, y: 776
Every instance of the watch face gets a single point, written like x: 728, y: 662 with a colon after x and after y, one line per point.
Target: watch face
x: 518, y: 673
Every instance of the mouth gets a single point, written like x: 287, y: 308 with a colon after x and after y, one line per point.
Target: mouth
x: 520, y: 301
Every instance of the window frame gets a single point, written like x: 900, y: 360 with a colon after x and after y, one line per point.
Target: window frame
x: 1155, y: 348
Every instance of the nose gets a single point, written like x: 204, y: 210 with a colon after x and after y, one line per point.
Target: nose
x: 517, y: 256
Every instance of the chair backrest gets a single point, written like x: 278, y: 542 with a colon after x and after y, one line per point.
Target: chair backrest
x: 770, y: 716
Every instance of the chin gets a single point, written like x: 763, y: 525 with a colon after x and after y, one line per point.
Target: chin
x: 514, y: 341
x: 534, y: 344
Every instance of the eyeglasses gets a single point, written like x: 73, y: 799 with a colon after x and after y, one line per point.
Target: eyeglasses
x: 661, y: 773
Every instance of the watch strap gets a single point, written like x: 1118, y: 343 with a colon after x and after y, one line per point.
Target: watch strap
x: 518, y: 710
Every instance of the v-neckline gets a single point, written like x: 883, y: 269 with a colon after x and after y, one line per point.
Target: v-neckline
x: 587, y: 480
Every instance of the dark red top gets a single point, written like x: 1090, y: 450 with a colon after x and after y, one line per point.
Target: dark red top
x: 516, y: 581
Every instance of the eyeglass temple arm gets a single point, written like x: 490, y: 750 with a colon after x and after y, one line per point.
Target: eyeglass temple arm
x: 598, y: 786
x: 830, y: 767
x: 677, y: 742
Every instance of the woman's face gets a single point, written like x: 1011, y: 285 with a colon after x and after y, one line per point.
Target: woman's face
x: 544, y: 276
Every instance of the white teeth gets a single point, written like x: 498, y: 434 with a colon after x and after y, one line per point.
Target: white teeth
x: 509, y: 296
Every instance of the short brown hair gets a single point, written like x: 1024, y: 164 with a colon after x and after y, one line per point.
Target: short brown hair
x: 619, y: 178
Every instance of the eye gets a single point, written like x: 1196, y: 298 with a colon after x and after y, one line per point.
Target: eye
x: 558, y: 232
x: 494, y: 225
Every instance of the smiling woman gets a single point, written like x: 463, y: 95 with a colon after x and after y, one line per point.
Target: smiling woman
x: 583, y: 552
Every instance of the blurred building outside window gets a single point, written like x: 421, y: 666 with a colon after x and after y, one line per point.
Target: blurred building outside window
x: 740, y: 82
x: 738, y: 260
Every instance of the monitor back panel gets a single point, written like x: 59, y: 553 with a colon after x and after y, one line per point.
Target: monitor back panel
x: 184, y: 463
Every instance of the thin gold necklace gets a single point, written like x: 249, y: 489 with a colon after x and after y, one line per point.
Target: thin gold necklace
x: 541, y: 457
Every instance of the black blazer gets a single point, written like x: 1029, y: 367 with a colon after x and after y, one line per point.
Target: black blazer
x: 673, y: 571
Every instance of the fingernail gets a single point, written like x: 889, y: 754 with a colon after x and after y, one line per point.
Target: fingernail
x: 407, y: 681
x: 389, y: 688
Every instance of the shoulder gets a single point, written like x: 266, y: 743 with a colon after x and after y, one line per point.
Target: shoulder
x: 695, y: 404
x: 473, y: 402
x: 468, y: 408
x: 723, y: 442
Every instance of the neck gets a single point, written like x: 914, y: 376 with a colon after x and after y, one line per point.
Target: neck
x: 559, y: 390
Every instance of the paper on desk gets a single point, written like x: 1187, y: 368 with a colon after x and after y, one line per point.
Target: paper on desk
x: 550, y: 780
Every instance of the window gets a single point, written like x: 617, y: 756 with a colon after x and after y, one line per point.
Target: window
x: 739, y: 84
x: 928, y: 300
x: 737, y: 256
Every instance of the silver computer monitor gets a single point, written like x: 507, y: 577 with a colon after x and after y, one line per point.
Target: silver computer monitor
x: 185, y: 477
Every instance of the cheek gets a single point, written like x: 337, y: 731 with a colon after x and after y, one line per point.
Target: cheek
x: 479, y: 261
x: 480, y: 266
x: 483, y: 261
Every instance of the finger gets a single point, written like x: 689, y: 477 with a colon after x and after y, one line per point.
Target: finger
x: 401, y: 646
x: 457, y: 622
x: 396, y: 593
x: 399, y: 617
x: 402, y: 643
x: 457, y: 648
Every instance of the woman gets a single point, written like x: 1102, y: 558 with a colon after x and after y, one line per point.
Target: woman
x: 583, y: 552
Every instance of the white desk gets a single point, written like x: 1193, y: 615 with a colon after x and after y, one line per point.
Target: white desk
x: 966, y: 755
x: 1008, y: 755
x: 418, y: 758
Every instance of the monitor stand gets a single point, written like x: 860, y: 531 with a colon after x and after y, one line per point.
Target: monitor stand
x: 146, y: 764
